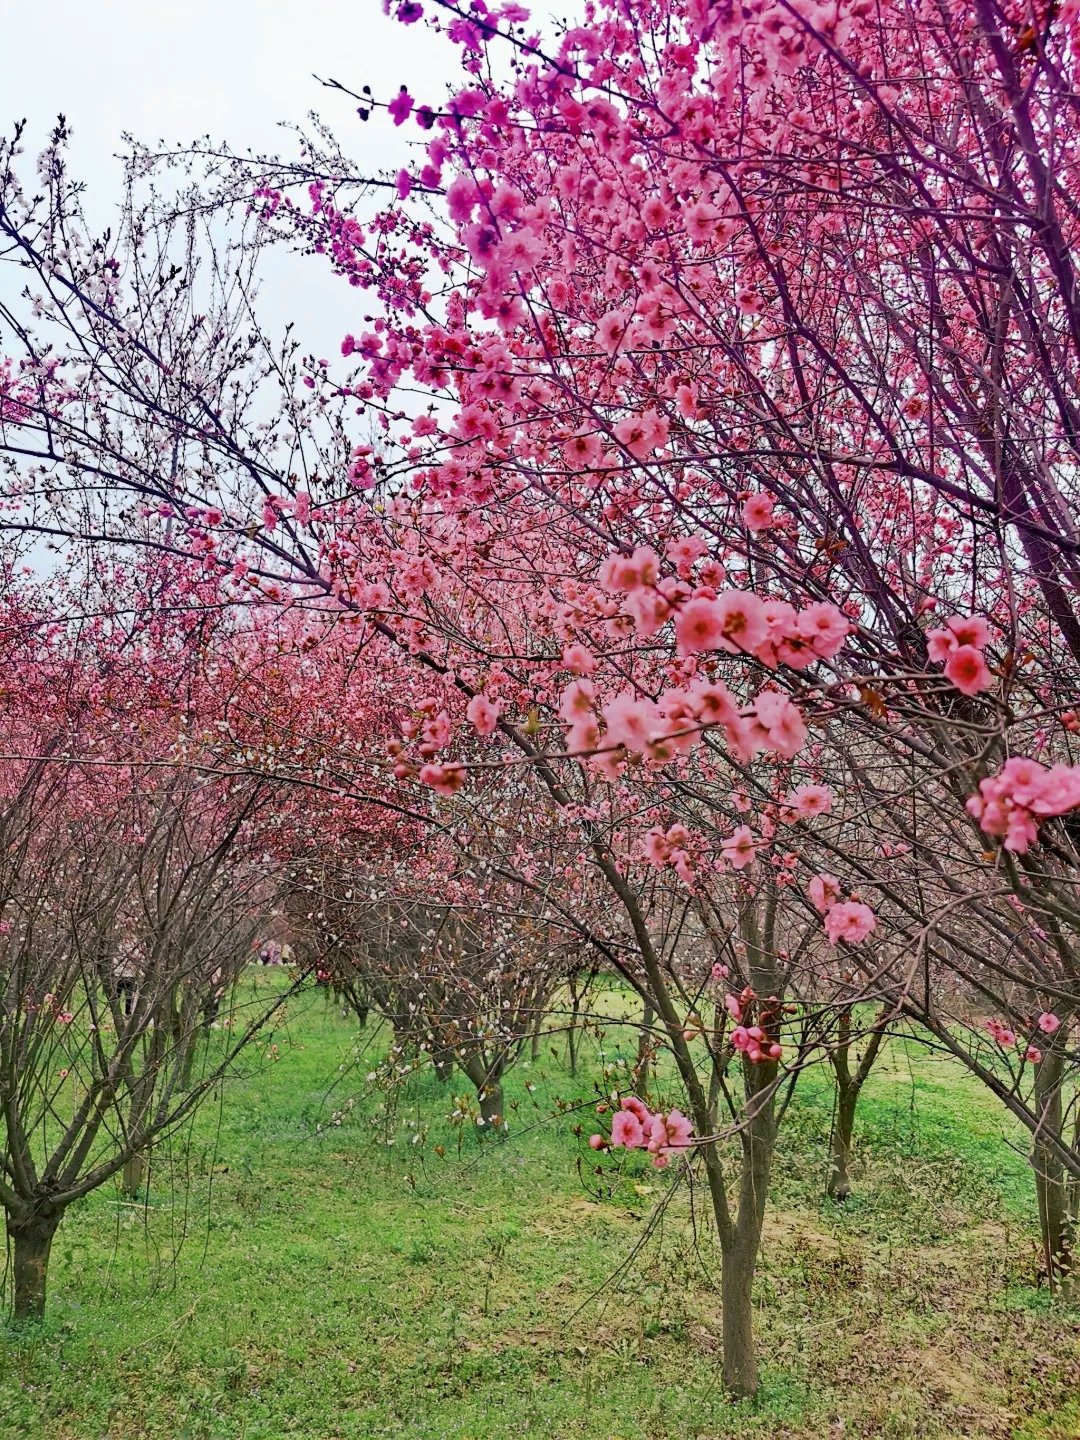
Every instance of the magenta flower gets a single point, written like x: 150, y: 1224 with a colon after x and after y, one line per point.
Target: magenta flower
x: 400, y: 107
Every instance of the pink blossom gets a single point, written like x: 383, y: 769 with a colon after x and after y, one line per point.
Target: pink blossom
x: 849, y: 920
x: 740, y: 849
x: 969, y: 630
x: 939, y: 645
x: 757, y: 512
x: 1003, y: 1034
x: 1048, y: 1022
x: 583, y: 736
x: 780, y: 722
x: 685, y: 552
x: 626, y: 1130
x: 698, y: 627
x: 637, y: 1107
x: 826, y: 627
x: 621, y: 572
x: 1058, y: 791
x: 642, y: 434
x: 1012, y: 802
x: 679, y: 1130
x: 483, y: 714
x: 656, y: 848
x: 446, y: 779
x: 577, y: 701
x: 578, y: 661
x: 733, y: 622
x: 968, y: 671
x: 668, y: 1134
x: 713, y: 703
x: 700, y: 221
x: 610, y: 330
x: 582, y: 450
x: 810, y: 800
x: 632, y: 720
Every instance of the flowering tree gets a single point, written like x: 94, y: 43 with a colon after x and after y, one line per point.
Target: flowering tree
x: 722, y: 496
x: 462, y: 983
x: 133, y: 880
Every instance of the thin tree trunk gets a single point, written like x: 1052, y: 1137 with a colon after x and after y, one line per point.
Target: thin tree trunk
x: 1055, y: 1220
x: 848, y: 1089
x: 740, y: 1252
x: 572, y: 1032
x: 489, y: 1091
x: 839, y: 1186
x: 644, y: 1049
x: 188, y: 1064
x: 537, y: 1031
x: 31, y: 1242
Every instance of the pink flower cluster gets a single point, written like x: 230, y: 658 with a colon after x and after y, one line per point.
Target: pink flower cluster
x: 848, y: 920
x: 959, y: 647
x: 668, y: 847
x: 999, y: 1031
x: 660, y: 730
x: 1014, y: 802
x: 635, y: 1127
x: 1048, y: 1023
x: 806, y: 802
x: 751, y: 1040
x: 755, y: 1044
x: 735, y: 622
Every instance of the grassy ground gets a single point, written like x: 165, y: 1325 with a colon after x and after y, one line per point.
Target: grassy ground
x: 349, y: 1282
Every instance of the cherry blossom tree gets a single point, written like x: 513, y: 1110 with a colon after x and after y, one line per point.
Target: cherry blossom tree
x: 137, y: 864
x: 721, y: 499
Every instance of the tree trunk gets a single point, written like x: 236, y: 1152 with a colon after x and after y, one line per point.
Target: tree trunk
x: 31, y: 1242
x: 131, y: 1178
x: 736, y: 1294
x: 491, y: 1106
x: 848, y: 1089
x: 187, y: 1067
x: 534, y: 1047
x: 489, y: 1092
x: 443, y: 1062
x: 758, y: 1137
x: 839, y: 1186
x: 644, y: 1049
x: 1055, y: 1220
x: 575, y: 1016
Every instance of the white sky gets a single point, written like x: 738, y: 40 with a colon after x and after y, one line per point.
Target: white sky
x: 175, y: 69
x: 178, y: 69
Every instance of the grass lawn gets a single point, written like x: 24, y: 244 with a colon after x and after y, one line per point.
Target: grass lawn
x: 290, y: 1276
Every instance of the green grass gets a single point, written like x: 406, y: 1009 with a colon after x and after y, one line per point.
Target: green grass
x: 294, y: 1277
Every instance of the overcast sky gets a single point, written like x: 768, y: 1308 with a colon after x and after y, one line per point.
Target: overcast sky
x: 175, y: 69
x: 233, y: 69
